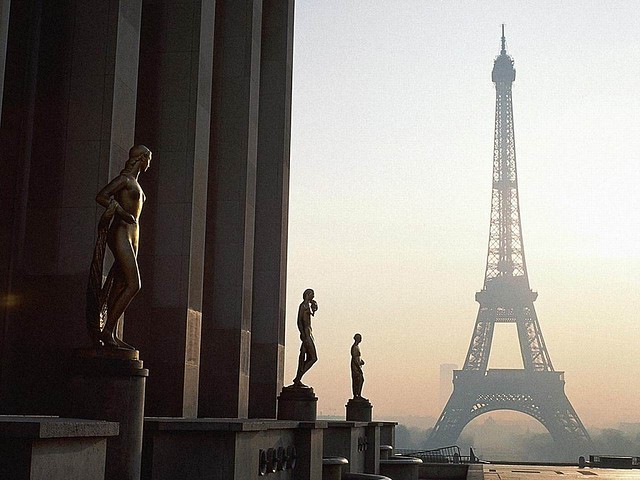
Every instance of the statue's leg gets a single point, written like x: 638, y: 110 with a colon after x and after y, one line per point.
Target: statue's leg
x: 312, y: 355
x: 300, y: 371
x: 126, y: 285
x: 117, y: 288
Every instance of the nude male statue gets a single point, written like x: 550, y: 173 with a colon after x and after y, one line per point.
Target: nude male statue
x: 308, y: 355
x: 123, y: 199
x: 357, y: 376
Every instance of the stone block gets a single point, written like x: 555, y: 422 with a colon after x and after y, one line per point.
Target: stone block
x: 52, y: 448
x: 231, y: 449
x: 348, y: 440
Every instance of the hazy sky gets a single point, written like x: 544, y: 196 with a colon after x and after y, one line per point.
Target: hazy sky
x: 391, y: 158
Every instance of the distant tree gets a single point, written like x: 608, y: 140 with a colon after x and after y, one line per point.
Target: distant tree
x: 614, y: 442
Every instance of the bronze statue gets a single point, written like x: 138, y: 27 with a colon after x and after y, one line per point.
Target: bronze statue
x: 308, y: 355
x: 357, y: 376
x: 118, y: 228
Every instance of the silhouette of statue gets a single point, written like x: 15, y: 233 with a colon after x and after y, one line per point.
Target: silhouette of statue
x: 357, y: 376
x: 118, y: 228
x: 308, y: 355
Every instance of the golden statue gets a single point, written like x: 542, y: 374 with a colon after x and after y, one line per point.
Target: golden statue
x: 118, y: 228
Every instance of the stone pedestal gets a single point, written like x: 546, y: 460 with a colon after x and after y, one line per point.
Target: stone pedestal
x: 359, y: 410
x: 297, y: 403
x: 110, y: 385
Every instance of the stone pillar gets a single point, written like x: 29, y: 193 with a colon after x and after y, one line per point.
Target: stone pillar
x: 231, y: 204
x: 112, y: 388
x: 74, y: 133
x: 388, y: 434
x: 4, y: 34
x: 309, y: 439
x: 272, y: 204
x: 16, y: 80
x: 372, y: 453
x: 173, y: 120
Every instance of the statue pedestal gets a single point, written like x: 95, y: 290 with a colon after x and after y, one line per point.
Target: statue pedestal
x: 109, y: 385
x: 359, y: 410
x: 297, y: 403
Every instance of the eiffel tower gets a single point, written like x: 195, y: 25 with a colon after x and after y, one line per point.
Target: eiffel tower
x: 537, y: 389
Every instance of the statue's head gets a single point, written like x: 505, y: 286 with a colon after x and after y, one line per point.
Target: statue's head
x: 357, y: 338
x: 140, y: 153
x: 308, y: 295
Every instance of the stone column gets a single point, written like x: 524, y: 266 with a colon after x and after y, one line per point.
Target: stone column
x: 372, y: 453
x: 272, y: 205
x: 226, y: 320
x: 15, y: 82
x: 309, y: 438
x: 75, y: 131
x: 173, y: 120
x: 106, y: 387
x: 4, y: 34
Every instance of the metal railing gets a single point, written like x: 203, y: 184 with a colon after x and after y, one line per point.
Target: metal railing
x: 450, y: 454
x: 612, y: 461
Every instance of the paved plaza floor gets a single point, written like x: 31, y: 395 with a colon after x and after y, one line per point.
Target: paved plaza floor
x: 533, y: 472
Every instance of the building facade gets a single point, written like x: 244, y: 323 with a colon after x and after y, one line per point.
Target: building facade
x: 206, y: 85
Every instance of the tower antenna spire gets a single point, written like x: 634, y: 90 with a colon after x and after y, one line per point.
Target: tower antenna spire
x: 504, y: 48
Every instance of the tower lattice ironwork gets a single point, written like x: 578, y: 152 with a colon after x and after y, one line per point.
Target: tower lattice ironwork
x: 536, y: 389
